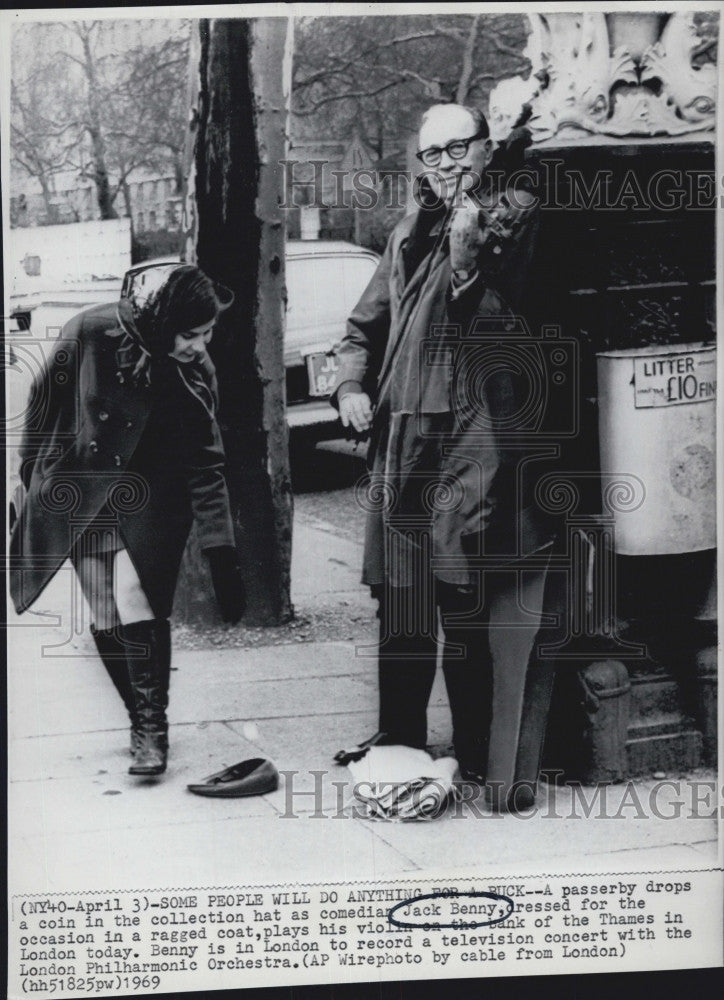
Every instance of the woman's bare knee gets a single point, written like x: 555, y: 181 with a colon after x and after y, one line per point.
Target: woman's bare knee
x: 130, y: 597
x: 96, y: 582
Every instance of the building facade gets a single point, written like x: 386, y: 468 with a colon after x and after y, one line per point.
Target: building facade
x: 155, y: 202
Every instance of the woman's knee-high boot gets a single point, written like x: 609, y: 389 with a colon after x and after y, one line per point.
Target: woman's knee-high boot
x: 112, y: 652
x: 149, y: 671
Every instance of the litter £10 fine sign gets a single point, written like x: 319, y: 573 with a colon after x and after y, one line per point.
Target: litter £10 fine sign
x: 674, y: 379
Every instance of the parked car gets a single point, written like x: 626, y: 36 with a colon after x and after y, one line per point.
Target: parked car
x: 324, y: 281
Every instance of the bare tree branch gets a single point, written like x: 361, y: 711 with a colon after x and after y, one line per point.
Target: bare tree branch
x: 504, y: 47
x: 479, y: 77
x: 348, y: 96
x: 466, y: 70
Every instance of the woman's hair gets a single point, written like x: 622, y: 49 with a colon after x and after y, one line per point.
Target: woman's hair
x: 186, y: 300
x: 190, y: 297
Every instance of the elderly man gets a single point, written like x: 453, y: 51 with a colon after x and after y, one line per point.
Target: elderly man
x: 449, y: 516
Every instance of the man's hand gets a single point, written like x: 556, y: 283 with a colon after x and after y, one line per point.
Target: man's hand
x: 465, y: 239
x: 355, y: 408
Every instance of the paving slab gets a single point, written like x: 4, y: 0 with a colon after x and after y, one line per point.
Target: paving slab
x: 323, y: 564
x: 208, y: 852
x: 287, y: 661
x: 199, y: 692
x: 196, y: 749
x: 218, y: 698
x: 472, y: 836
x: 709, y: 848
x: 101, y: 794
x: 673, y: 857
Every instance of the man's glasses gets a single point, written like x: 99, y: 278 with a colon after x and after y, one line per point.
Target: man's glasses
x: 456, y: 149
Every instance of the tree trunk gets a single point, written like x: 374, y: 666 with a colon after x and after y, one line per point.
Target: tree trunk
x: 178, y: 171
x: 127, y: 201
x: 100, y: 176
x: 235, y: 232
x: 95, y: 131
x: 50, y: 209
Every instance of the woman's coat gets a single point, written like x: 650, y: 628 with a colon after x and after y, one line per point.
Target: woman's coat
x: 85, y: 419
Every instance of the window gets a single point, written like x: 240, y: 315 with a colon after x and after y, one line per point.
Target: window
x: 303, y: 195
x: 173, y: 213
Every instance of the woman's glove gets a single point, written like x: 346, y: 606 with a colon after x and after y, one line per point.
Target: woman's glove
x: 228, y: 584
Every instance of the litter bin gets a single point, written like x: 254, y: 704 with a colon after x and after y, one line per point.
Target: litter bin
x: 657, y: 422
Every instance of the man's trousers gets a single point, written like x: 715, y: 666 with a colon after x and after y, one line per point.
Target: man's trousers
x: 498, y: 679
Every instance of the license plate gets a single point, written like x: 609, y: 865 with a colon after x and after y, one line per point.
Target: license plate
x: 322, y: 369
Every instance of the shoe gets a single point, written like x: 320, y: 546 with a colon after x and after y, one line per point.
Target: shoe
x: 472, y: 757
x: 471, y: 773
x: 380, y: 739
x: 149, y: 675
x: 251, y: 777
x: 113, y: 654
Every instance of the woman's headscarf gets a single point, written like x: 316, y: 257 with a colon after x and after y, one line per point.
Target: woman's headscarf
x: 182, y: 298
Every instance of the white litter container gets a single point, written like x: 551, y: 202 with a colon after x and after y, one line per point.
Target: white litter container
x: 657, y: 428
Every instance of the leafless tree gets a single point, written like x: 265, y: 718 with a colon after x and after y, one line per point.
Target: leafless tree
x: 91, y: 117
x: 117, y: 106
x: 377, y: 73
x: 151, y: 105
x: 43, y: 140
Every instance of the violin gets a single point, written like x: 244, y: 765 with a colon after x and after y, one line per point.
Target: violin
x: 503, y: 212
x: 481, y: 230
x: 502, y: 223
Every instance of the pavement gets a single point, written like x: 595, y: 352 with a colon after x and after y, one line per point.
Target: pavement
x: 78, y: 820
